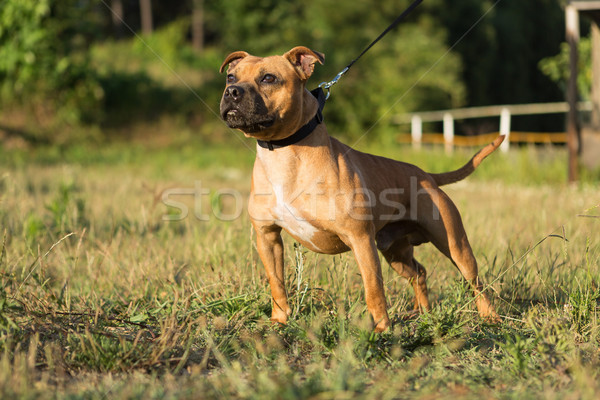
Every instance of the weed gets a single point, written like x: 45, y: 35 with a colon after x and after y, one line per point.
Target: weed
x: 33, y: 229
x: 518, y: 350
x: 583, y: 304
x: 583, y: 307
x: 7, y: 321
x: 67, y: 211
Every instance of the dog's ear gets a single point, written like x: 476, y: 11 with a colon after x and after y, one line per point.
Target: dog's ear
x: 233, y: 59
x: 304, y: 59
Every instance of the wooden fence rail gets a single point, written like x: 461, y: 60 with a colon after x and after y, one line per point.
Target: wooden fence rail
x: 417, y: 137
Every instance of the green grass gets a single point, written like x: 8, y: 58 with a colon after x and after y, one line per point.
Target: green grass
x: 101, y: 298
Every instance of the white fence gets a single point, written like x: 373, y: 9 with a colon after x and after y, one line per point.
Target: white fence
x: 504, y: 112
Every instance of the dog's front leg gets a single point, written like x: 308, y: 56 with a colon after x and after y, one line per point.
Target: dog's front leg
x: 365, y: 252
x: 270, y: 250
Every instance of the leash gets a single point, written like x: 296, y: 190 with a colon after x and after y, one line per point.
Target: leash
x: 327, y: 85
x: 322, y: 97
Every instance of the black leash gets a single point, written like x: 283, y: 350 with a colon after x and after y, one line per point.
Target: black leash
x: 322, y: 97
x: 328, y: 85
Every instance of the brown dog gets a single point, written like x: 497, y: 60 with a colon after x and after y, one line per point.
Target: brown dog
x: 331, y: 198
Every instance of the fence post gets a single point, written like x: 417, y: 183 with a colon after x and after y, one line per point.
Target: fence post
x: 505, y: 129
x: 573, y: 128
x: 448, y: 132
x: 416, y: 131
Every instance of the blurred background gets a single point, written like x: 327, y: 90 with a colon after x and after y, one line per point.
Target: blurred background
x: 146, y: 71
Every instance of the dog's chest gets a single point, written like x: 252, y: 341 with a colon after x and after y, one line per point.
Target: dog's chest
x: 294, y: 194
x: 294, y: 220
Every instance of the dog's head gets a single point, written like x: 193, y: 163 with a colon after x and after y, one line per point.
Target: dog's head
x: 266, y: 97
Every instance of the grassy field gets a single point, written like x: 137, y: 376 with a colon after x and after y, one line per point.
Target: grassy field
x: 107, y: 293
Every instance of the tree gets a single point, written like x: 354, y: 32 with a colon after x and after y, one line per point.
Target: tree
x: 146, y: 16
x: 198, y: 24
x: 117, y: 17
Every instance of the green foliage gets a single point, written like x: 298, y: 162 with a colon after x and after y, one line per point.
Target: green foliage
x: 168, y: 43
x: 44, y: 63
x: 156, y: 77
x: 557, y: 67
x: 21, y: 36
x: 57, y: 65
x: 67, y: 211
x: 518, y: 350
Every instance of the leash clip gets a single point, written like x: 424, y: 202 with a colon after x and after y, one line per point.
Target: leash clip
x: 327, y: 85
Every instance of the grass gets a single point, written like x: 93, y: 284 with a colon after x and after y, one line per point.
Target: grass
x: 102, y: 298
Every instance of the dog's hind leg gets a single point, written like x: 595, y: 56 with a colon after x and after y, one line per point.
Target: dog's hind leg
x: 444, y: 228
x: 401, y: 259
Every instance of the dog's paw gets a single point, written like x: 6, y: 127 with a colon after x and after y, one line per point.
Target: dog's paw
x: 491, y: 318
x: 382, y: 325
x: 278, y: 316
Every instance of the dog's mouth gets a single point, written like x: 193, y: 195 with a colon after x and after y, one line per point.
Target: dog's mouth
x: 236, y: 119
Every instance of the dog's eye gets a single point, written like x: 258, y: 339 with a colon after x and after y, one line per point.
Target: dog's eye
x: 230, y: 78
x: 268, y: 78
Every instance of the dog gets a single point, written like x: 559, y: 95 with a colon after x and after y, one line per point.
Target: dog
x: 332, y: 198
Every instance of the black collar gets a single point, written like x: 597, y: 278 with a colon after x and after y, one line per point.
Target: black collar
x: 302, y: 132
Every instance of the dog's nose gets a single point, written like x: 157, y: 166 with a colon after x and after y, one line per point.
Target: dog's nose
x: 234, y: 93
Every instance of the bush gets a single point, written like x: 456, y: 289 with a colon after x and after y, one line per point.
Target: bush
x: 44, y: 64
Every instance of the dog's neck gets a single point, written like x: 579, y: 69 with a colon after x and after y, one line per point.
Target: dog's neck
x: 316, y: 99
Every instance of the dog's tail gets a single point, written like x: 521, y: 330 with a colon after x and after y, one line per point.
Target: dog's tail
x: 447, y: 178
